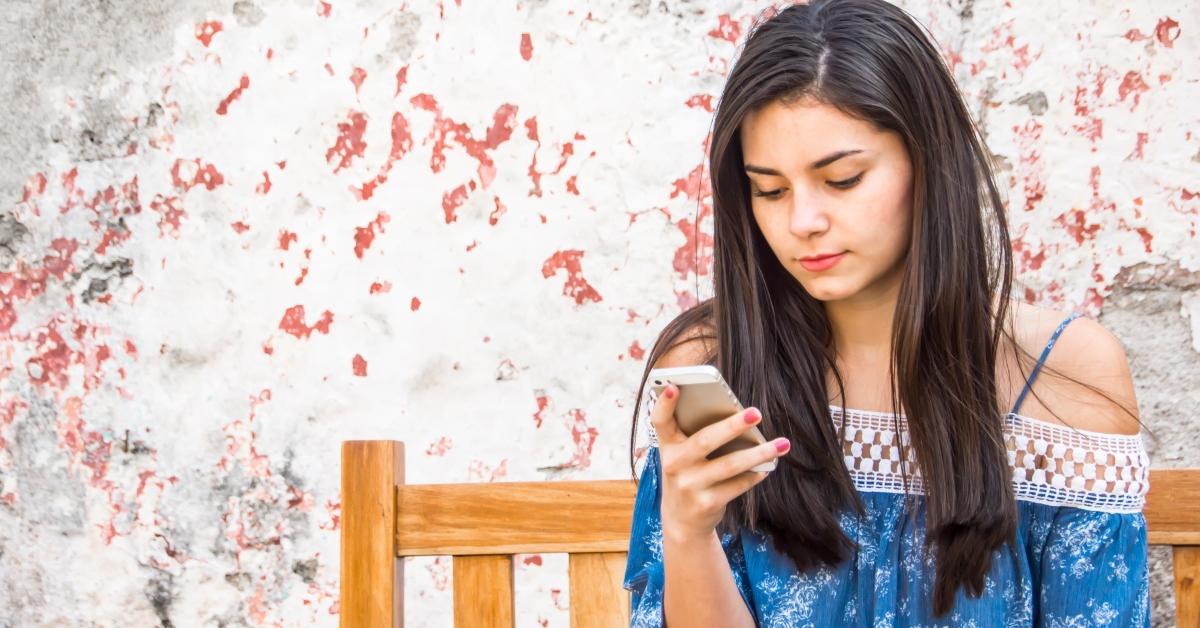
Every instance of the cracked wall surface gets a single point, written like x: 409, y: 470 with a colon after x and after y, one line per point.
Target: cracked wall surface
x: 233, y: 234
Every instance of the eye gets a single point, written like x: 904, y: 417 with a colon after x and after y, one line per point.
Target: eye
x: 845, y: 184
x: 772, y: 194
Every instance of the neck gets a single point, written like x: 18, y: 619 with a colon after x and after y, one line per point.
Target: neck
x: 862, y: 325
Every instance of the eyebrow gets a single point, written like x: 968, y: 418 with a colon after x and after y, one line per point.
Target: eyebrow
x: 816, y: 165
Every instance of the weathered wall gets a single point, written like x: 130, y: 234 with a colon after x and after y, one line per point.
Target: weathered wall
x: 235, y: 233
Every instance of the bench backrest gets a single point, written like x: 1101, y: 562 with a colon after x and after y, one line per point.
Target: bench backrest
x: 482, y: 525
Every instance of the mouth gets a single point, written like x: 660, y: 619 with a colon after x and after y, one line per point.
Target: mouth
x: 817, y: 263
x: 815, y: 258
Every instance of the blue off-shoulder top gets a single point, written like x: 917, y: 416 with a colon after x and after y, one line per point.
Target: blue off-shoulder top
x: 1080, y: 556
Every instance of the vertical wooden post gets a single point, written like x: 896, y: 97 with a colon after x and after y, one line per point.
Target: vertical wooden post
x: 1187, y: 585
x: 372, y: 587
x: 483, y: 591
x: 597, y: 597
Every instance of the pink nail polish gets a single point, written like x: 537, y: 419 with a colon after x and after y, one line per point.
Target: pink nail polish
x: 751, y: 415
x: 782, y: 445
x: 669, y: 392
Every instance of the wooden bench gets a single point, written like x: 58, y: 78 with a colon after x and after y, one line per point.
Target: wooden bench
x: 482, y: 525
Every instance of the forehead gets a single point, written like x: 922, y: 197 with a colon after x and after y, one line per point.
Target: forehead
x: 777, y: 134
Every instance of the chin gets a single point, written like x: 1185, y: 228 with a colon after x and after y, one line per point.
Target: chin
x: 829, y: 288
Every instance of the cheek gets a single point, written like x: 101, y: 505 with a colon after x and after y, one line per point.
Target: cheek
x: 891, y: 216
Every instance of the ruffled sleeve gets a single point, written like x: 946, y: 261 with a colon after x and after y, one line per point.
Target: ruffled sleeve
x: 644, y: 574
x: 1090, y: 564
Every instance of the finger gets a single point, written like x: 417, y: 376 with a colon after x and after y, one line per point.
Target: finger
x: 735, y: 463
x: 728, y: 490
x: 662, y: 416
x: 710, y: 437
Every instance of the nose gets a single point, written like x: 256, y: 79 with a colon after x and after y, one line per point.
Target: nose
x: 807, y: 218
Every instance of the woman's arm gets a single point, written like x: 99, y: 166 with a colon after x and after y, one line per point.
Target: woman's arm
x: 699, y: 589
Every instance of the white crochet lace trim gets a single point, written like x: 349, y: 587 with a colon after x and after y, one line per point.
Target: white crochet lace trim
x: 1051, y: 464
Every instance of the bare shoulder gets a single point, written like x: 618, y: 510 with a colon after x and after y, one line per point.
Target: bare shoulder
x: 694, y: 345
x: 1085, y: 354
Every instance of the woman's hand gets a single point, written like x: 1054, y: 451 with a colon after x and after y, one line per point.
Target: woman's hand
x: 696, y: 490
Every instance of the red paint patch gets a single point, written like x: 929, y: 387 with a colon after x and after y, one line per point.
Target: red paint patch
x: 206, y: 30
x: 401, y: 79
x: 265, y: 186
x: 700, y: 100
x: 1166, y: 32
x: 293, y: 322
x: 349, y: 144
x: 439, y: 447
x: 452, y: 200
x: 1139, y: 148
x: 324, y: 9
x: 576, y: 286
x: 727, y: 29
x: 1132, y: 84
x: 240, y: 227
x: 36, y: 186
x: 186, y: 174
x: 223, y: 108
x: 1028, y: 139
x: 357, y: 77
x: 501, y: 131
x: 364, y: 236
x: 584, y: 437
x: 1147, y: 238
x: 571, y: 187
x: 379, y: 288
x: 526, y: 46
x: 1135, y: 35
x: 401, y: 144
x: 636, y: 351
x: 1075, y: 222
x: 170, y: 214
x: 499, y: 211
x: 286, y: 238
x: 534, y: 559
x: 1027, y: 260
x: 360, y: 366
x: 415, y: 304
x: 543, y: 401
x: 695, y: 256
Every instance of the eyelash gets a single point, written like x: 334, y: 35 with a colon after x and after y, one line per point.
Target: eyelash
x: 844, y: 184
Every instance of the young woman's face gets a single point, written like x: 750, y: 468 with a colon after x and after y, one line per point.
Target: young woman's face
x: 823, y: 183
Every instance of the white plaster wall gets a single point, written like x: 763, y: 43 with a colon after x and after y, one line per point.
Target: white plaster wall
x: 237, y: 233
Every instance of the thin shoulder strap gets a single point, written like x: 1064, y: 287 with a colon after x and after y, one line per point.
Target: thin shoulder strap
x: 1042, y: 360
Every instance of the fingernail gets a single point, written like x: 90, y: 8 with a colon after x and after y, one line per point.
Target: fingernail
x: 669, y: 392
x: 752, y: 415
x: 782, y: 445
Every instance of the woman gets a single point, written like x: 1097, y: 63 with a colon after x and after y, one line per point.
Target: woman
x: 862, y: 269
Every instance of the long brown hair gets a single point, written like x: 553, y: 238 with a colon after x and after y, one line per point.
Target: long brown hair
x: 773, y: 341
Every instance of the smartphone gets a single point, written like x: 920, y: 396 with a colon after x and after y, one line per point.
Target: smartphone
x: 705, y: 398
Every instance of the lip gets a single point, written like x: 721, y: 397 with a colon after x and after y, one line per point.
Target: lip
x: 821, y: 262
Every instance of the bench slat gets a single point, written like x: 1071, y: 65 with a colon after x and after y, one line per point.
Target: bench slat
x: 514, y: 517
x: 1187, y: 585
x: 1173, y: 507
x: 597, y: 598
x: 483, y: 592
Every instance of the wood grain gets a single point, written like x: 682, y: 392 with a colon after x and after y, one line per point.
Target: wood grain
x: 597, y: 598
x: 1173, y: 507
x: 372, y: 576
x: 514, y: 518
x: 483, y: 591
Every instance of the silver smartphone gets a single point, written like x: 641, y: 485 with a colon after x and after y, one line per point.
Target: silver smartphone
x: 705, y: 398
